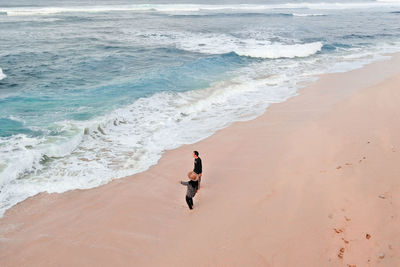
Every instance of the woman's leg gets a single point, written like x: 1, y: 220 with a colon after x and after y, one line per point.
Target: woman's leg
x: 189, y: 201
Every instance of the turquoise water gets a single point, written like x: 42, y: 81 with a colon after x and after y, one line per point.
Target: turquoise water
x: 90, y: 93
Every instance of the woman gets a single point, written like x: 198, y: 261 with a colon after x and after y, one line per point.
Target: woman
x: 192, y: 187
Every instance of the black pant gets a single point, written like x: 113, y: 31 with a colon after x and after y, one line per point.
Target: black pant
x: 189, y: 201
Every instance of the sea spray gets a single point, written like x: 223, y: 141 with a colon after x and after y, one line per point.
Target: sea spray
x: 2, y: 75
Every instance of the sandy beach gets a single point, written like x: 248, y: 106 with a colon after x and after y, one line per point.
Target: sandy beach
x: 312, y: 182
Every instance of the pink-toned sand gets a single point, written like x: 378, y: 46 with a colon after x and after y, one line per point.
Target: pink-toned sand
x: 315, y: 181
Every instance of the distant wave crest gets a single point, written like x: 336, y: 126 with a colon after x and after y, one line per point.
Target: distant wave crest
x: 180, y: 8
x: 388, y: 1
x: 307, y: 15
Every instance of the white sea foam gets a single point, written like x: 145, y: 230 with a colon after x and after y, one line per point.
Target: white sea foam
x: 2, y: 75
x: 247, y: 47
x: 222, y: 44
x: 179, y: 8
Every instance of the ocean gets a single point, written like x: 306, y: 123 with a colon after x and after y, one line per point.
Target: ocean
x: 92, y: 91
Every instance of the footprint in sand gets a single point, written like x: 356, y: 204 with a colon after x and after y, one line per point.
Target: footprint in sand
x: 338, y: 230
x: 341, y: 253
x: 346, y: 164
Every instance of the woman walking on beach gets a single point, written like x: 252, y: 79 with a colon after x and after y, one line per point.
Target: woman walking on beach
x: 192, y: 187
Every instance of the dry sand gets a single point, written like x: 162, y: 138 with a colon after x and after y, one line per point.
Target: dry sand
x: 315, y: 181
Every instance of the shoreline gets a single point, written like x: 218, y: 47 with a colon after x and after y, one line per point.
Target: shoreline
x: 129, y: 219
x: 300, y: 85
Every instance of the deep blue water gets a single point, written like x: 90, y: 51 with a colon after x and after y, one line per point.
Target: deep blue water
x: 95, y: 91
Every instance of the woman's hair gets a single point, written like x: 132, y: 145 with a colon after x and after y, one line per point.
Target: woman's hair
x: 192, y: 176
x: 196, y: 153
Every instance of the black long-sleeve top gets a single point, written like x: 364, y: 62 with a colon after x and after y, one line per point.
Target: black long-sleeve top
x: 198, y: 168
x: 192, y: 187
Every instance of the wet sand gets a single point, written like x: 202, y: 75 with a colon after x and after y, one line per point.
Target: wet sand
x: 315, y: 181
